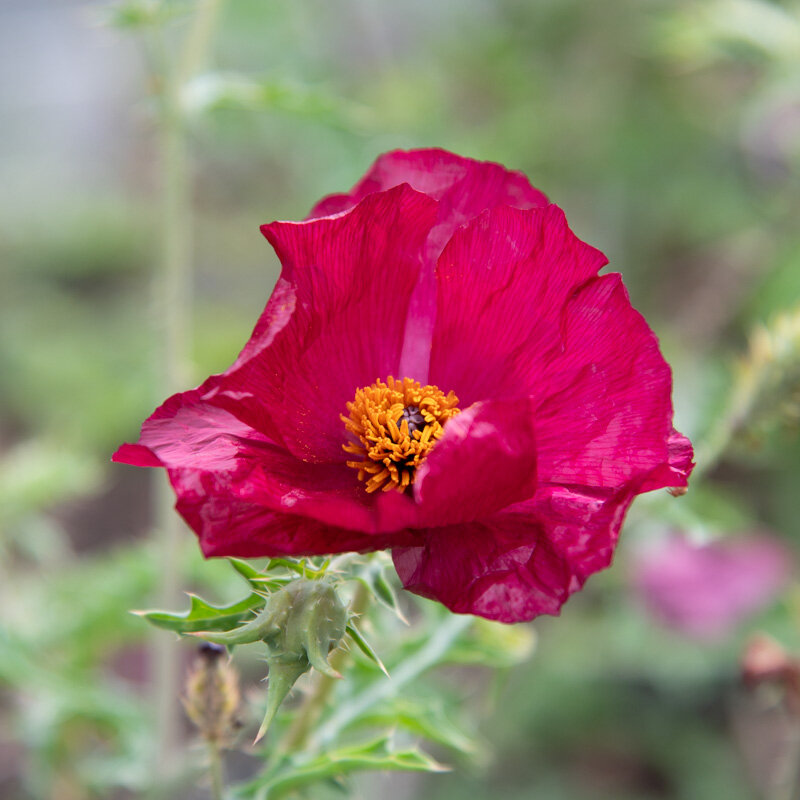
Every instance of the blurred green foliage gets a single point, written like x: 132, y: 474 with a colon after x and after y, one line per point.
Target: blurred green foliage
x: 668, y: 130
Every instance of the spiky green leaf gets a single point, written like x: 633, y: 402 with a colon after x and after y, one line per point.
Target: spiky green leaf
x: 203, y: 616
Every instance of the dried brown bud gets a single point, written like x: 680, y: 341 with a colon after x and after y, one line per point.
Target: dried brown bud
x: 212, y: 697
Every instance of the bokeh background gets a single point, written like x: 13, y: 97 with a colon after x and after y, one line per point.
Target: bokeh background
x: 668, y: 130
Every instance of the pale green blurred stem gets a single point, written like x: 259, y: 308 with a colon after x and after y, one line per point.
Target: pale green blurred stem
x: 173, y: 300
x: 787, y: 774
x: 409, y: 670
x: 766, y: 374
x: 215, y: 771
x: 711, y: 449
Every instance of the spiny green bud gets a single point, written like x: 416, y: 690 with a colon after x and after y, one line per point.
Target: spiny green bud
x: 313, y: 623
x: 300, y: 624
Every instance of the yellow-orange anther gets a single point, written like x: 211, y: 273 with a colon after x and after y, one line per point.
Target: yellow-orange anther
x: 394, y: 426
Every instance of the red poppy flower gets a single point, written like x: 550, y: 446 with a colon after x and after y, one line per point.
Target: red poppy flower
x: 440, y: 371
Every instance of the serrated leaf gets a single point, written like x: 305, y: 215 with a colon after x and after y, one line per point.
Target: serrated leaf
x: 374, y: 756
x: 365, y: 648
x: 203, y: 616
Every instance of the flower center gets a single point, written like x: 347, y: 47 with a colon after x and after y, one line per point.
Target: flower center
x: 396, y: 423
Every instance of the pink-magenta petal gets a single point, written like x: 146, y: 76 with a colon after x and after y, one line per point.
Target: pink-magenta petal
x: 503, y: 282
x: 188, y: 436
x: 467, y: 186
x: 136, y: 455
x: 518, y: 564
x: 464, y: 188
x: 582, y: 524
x: 501, y: 568
x: 674, y: 474
x: 348, y: 325
x: 608, y: 418
x: 485, y: 461
x: 229, y: 526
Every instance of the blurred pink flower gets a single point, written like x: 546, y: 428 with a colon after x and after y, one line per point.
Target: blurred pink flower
x: 705, y: 591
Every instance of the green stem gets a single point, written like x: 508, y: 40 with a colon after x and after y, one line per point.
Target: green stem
x: 711, y: 449
x: 786, y: 784
x: 428, y: 655
x: 768, y: 374
x: 172, y: 303
x: 198, y: 39
x: 215, y: 771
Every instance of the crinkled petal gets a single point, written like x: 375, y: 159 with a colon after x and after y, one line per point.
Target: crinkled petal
x: 465, y: 186
x: 582, y: 524
x: 503, y: 282
x: 607, y: 419
x: 229, y: 526
x: 187, y: 432
x: 675, y: 472
x: 485, y: 461
x: 348, y: 281
x: 330, y: 324
x: 502, y: 568
x: 520, y: 563
x: 207, y: 446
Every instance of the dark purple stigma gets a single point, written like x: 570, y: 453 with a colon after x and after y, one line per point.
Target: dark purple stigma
x: 413, y: 416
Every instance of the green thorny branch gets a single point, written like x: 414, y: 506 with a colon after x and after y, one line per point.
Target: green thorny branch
x: 766, y: 389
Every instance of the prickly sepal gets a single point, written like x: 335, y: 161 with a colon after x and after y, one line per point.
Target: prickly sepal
x: 282, y: 676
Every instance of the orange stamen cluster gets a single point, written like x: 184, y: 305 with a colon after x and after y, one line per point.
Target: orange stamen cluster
x: 396, y: 423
